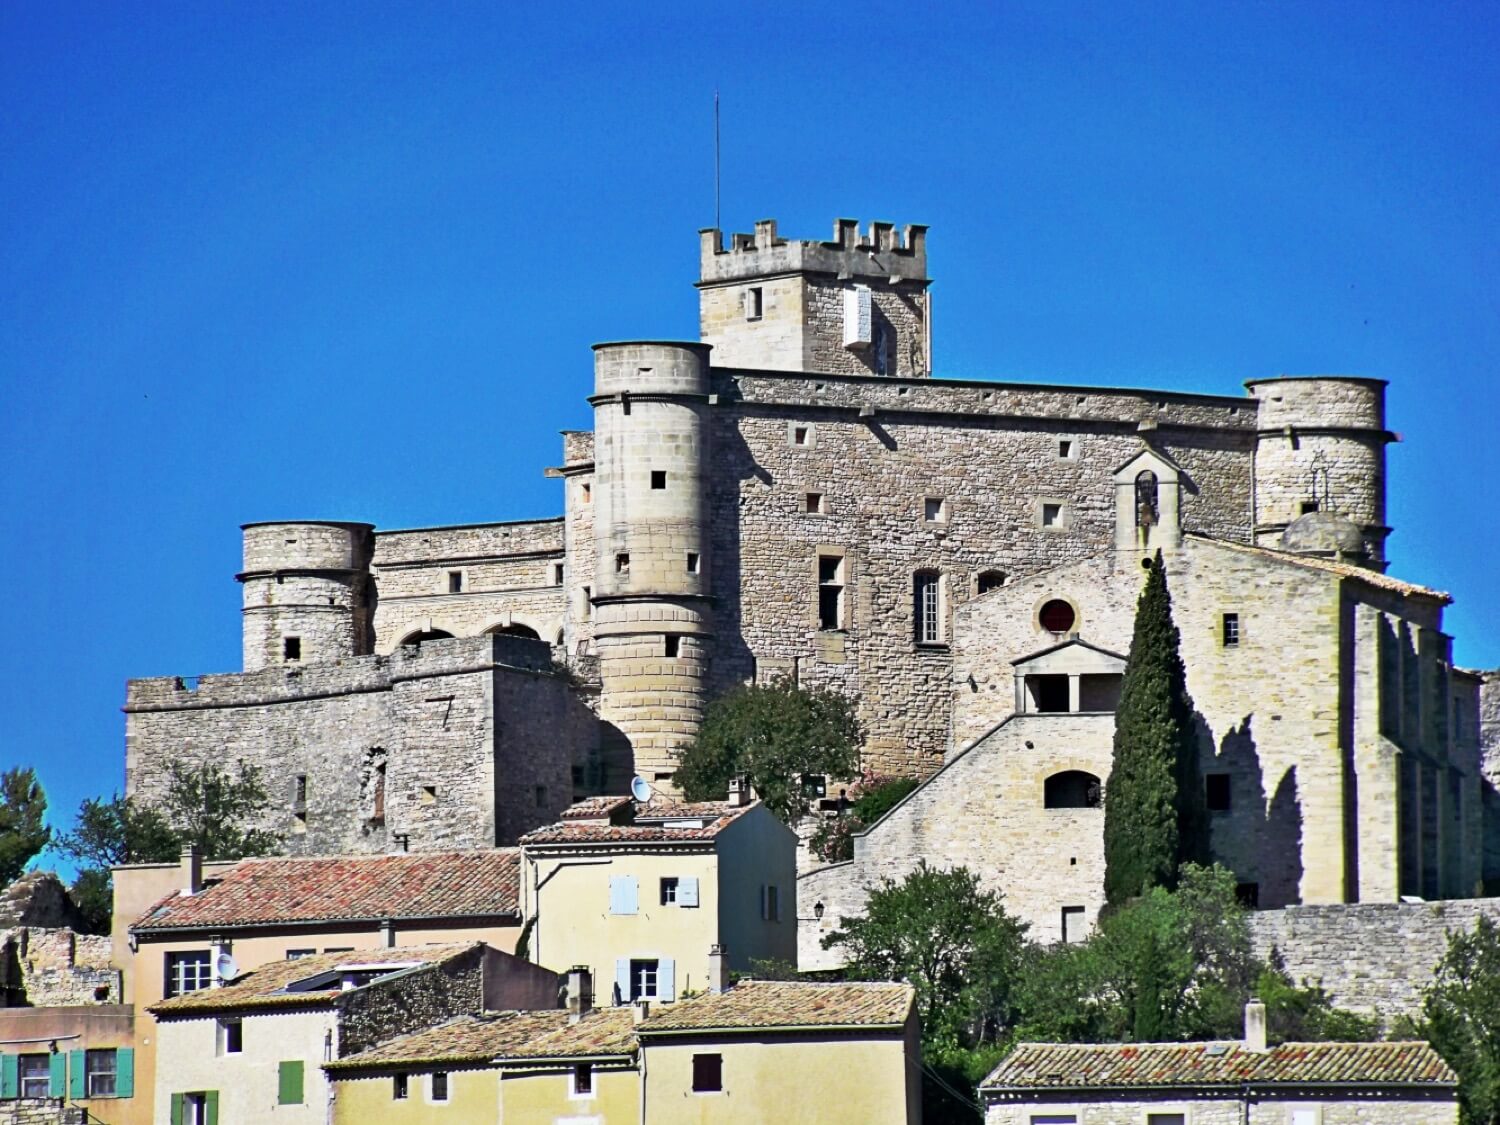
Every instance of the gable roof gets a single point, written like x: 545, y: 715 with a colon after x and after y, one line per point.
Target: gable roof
x: 601, y: 1033
x: 655, y: 823
x: 475, y: 1038
x: 763, y: 1004
x: 1341, y: 569
x: 266, y: 987
x: 271, y: 892
x: 1042, y: 1066
x: 1069, y: 643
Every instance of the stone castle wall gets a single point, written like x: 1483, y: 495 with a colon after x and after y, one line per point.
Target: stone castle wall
x: 461, y: 743
x: 56, y: 968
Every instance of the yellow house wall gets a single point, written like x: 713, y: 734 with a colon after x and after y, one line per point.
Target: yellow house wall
x: 473, y: 1097
x: 539, y: 1098
x: 851, y: 1082
x: 247, y: 1082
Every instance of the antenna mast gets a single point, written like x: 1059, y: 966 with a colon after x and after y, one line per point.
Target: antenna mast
x: 716, y: 161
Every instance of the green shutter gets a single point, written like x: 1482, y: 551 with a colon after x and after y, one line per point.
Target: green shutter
x: 78, y: 1075
x: 289, y: 1083
x: 211, y: 1106
x: 10, y: 1076
x: 176, y: 1109
x: 57, y: 1075
x: 125, y: 1072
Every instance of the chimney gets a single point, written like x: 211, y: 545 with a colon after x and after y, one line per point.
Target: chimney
x: 192, y: 869
x: 640, y: 1010
x: 1255, y: 1027
x: 580, y: 992
x: 739, y: 792
x: 718, y: 968
x: 388, y: 934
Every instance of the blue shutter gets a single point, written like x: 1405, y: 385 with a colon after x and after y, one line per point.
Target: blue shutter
x: 622, y: 894
x: 77, y: 1076
x: 10, y: 1076
x: 666, y: 980
x: 622, y: 980
x: 687, y: 891
x: 125, y: 1072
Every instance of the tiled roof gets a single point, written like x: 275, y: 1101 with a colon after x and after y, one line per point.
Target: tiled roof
x: 604, y: 1031
x: 595, y: 808
x: 654, y: 824
x: 268, y: 892
x: 467, y: 1039
x: 1343, y: 570
x: 752, y: 1004
x: 264, y: 988
x: 1116, y: 1065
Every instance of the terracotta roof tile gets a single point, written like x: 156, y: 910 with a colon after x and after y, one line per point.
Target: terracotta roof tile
x: 475, y: 1038
x: 762, y: 1003
x: 595, y: 808
x: 604, y: 1031
x: 1115, y: 1065
x: 656, y: 824
x: 1342, y: 569
x: 265, y: 987
x: 266, y: 892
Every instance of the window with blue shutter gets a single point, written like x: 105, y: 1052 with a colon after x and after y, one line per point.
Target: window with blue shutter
x: 687, y: 891
x: 622, y: 982
x: 666, y: 980
x: 622, y: 894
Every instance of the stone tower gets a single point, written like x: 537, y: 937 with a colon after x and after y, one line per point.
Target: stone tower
x: 652, y: 621
x: 1320, y: 447
x: 858, y: 305
x: 307, y: 592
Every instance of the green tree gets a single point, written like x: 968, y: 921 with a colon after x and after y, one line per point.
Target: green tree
x: 23, y: 830
x: 210, y: 807
x: 106, y: 834
x: 771, y: 735
x: 1154, y: 816
x: 1461, y: 1018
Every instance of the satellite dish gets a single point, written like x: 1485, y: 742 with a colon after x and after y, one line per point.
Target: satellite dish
x: 640, y: 788
x: 226, y: 968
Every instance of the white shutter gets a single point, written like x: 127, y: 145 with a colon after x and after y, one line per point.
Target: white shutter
x: 687, y: 891
x: 666, y: 980
x: 622, y: 980
x: 857, y: 317
x: 622, y: 894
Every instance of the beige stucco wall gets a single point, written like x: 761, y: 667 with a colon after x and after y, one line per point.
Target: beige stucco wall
x: 473, y: 1098
x: 247, y: 1082
x: 537, y: 1097
x: 1230, y: 1111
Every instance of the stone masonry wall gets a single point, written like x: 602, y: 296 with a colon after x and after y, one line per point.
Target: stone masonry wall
x: 58, y: 967
x: 1372, y: 957
x: 410, y: 1002
x: 1336, y: 1108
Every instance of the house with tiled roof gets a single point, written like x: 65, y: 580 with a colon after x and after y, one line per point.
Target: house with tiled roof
x: 754, y: 1051
x: 174, y: 922
x: 1222, y: 1083
x: 251, y: 1047
x: 641, y: 892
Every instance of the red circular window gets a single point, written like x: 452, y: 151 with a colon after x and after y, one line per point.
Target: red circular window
x: 1057, y: 616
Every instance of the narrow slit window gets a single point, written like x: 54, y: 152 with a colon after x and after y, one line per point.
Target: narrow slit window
x: 830, y: 592
x: 692, y: 562
x: 291, y: 648
x: 673, y: 646
x: 1231, y: 630
x: 587, y: 492
x: 927, y: 607
x: 557, y: 574
x: 755, y: 303
x: 455, y: 581
x: 1217, y: 792
x: 622, y: 563
x: 658, y: 478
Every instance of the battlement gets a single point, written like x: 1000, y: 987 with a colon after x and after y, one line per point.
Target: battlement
x: 881, y: 252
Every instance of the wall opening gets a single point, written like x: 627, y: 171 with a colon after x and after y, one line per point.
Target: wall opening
x: 658, y: 478
x: 1057, y: 616
x: 1099, y: 691
x: 989, y: 580
x: 455, y: 581
x: 1048, y: 694
x: 422, y: 636
x: 291, y: 648
x: 1071, y: 789
x: 830, y: 592
x: 515, y: 629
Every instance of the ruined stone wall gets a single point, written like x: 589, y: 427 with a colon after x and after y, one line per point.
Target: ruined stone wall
x: 1374, y: 957
x: 992, y: 455
x: 460, y: 743
x: 56, y: 968
x: 410, y: 1002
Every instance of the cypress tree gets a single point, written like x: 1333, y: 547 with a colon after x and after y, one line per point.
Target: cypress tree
x: 1154, y: 817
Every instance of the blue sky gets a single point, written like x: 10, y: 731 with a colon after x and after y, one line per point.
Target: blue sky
x: 345, y: 261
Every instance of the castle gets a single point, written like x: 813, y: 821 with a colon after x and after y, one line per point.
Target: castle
x: 796, y: 494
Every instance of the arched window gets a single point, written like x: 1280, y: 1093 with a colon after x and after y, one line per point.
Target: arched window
x: 1057, y: 616
x: 927, y: 607
x: 989, y: 580
x: 1146, y: 510
x: 421, y: 637
x: 1072, y: 789
x: 515, y: 630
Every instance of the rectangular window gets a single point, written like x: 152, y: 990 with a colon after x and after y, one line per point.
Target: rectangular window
x: 814, y: 785
x: 1166, y: 1119
x: 754, y: 303
x: 299, y: 789
x: 455, y: 581
x: 622, y: 563
x: 289, y: 1082
x: 1052, y: 515
x: 1065, y: 449
x: 291, y: 648
x: 428, y: 795
x: 1072, y: 923
x: 801, y: 435
x: 658, y: 479
x: 692, y: 562
x: 1053, y: 1119
x: 400, y: 1087
x: 1306, y: 507
x: 1231, y: 624
x: 35, y: 1073
x: 669, y: 892
x: 294, y: 954
x: 1217, y: 792
x: 541, y: 796
x: 643, y: 979
x: 586, y: 490
x: 672, y: 646
x: 708, y: 1074
x: 934, y: 509
x: 588, y: 603
x: 196, y: 1111
x: 583, y: 1080
x: 187, y: 972
x: 438, y: 1086
x: 830, y: 592
x: 101, y: 1070
x: 927, y: 616
x: 812, y: 504
x: 232, y: 1033
x: 770, y: 902
x: 557, y: 574
x: 1308, y: 1116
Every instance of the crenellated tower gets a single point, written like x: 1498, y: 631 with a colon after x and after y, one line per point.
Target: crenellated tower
x: 652, y: 624
x: 308, y: 595
x: 1320, y: 447
x: 858, y: 305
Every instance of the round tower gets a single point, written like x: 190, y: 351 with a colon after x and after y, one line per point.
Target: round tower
x: 652, y: 624
x: 307, y: 592
x: 1320, y: 447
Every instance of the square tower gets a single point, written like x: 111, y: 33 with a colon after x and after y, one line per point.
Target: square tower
x: 858, y: 305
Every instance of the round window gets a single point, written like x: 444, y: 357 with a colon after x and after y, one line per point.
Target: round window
x: 1057, y: 616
